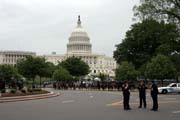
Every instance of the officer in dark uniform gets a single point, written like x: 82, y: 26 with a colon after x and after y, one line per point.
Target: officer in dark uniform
x: 126, y: 95
x: 154, y: 95
x: 142, y: 94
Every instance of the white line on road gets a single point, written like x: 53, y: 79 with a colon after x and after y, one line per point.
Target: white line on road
x: 170, y: 98
x: 176, y: 112
x: 91, y: 96
x: 68, y: 101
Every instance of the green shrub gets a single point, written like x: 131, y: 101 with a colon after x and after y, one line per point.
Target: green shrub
x: 13, y: 91
x: 3, y: 90
x: 37, y: 89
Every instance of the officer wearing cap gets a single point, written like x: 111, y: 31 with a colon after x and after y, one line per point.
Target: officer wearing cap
x: 154, y: 95
x: 142, y: 94
x: 126, y: 95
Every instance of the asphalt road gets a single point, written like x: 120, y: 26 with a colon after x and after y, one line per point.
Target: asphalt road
x: 90, y: 105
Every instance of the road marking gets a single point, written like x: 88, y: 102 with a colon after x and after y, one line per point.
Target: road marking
x: 176, y: 112
x: 173, y: 101
x: 68, y: 101
x: 115, y: 93
x: 91, y: 96
x: 119, y: 103
x: 115, y: 103
x: 170, y: 98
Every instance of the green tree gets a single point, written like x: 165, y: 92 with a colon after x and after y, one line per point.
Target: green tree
x: 175, y: 58
x: 160, y: 68
x: 61, y: 74
x: 75, y: 66
x: 26, y: 67
x: 41, y: 65
x: 146, y: 39
x: 8, y: 72
x: 32, y: 67
x: 167, y: 10
x: 126, y: 71
x: 49, y: 69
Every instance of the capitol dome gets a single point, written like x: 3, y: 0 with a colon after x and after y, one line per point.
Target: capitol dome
x: 79, y: 41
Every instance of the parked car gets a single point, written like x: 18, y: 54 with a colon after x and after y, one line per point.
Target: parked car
x: 171, y: 88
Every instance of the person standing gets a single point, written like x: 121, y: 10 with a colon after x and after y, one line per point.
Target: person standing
x: 126, y: 95
x: 142, y: 94
x: 154, y: 95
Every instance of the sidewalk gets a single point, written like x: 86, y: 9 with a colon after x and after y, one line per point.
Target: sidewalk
x: 28, y: 97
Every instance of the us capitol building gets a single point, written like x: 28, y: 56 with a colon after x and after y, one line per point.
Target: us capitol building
x: 11, y: 57
x: 79, y: 46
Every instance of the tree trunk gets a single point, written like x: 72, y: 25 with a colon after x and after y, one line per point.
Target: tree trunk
x: 33, y: 84
x: 162, y: 82
x: 40, y: 81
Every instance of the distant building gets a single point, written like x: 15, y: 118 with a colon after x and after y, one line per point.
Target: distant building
x: 79, y: 46
x: 11, y: 57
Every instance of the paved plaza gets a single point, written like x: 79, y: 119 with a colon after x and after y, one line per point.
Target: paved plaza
x: 90, y: 105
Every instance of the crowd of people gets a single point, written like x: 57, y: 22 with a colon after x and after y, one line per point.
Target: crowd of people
x: 15, y: 84
x: 125, y: 87
x: 88, y: 85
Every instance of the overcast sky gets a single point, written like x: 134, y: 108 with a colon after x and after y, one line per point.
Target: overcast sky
x: 44, y: 26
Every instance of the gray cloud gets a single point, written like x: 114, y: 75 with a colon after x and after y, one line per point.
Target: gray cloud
x: 44, y: 26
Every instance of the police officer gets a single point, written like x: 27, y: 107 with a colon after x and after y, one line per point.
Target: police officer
x: 154, y: 95
x: 126, y: 95
x: 142, y: 94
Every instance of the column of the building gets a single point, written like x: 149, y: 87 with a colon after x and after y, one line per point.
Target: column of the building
x: 76, y: 47
x: 83, y: 47
x: 72, y: 47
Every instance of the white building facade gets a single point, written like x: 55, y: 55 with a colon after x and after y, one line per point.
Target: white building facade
x: 11, y: 57
x: 79, y: 46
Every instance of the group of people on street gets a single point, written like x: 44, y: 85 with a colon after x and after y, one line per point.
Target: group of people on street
x: 142, y: 95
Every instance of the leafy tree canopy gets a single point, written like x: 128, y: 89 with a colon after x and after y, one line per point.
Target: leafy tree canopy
x: 7, y: 72
x: 31, y: 67
x: 161, y: 68
x: 75, y: 66
x: 49, y: 69
x: 61, y: 74
x: 126, y: 71
x: 167, y: 10
x: 147, y: 39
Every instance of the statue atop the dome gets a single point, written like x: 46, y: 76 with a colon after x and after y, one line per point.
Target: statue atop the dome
x: 79, y: 18
x: 79, y: 21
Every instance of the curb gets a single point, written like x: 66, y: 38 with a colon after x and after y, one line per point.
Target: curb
x: 30, y: 97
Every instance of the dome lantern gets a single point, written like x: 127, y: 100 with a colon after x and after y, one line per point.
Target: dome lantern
x: 79, y: 21
x: 79, y: 42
